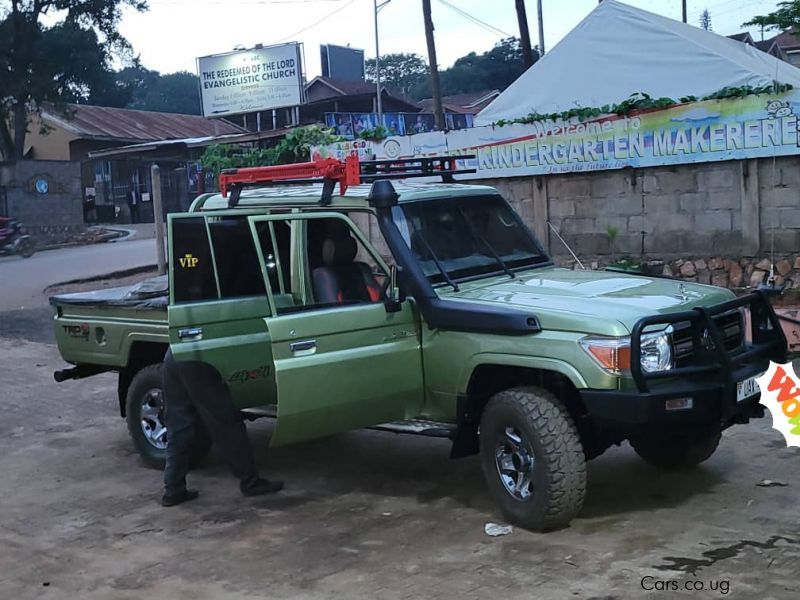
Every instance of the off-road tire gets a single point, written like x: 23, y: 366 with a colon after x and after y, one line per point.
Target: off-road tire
x: 147, y: 379
x: 559, y: 468
x: 676, y: 451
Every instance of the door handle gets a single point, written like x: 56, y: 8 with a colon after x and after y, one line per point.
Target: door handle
x: 190, y: 333
x: 304, y: 345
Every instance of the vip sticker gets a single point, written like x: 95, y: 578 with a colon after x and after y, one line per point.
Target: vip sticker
x: 780, y: 393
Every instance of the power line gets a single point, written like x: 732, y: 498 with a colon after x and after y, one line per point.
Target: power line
x: 315, y: 23
x: 476, y: 20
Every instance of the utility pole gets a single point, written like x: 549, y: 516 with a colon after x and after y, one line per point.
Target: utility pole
x: 541, y: 27
x: 378, y: 70
x: 433, y: 66
x: 524, y: 34
x: 158, y: 216
x: 683, y: 6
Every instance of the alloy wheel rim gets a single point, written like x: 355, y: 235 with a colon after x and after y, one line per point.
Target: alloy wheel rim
x: 515, y: 463
x: 152, y: 419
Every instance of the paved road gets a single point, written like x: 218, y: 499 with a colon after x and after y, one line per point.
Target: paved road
x: 22, y: 280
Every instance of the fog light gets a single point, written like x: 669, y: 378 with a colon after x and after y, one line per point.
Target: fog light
x: 679, y: 404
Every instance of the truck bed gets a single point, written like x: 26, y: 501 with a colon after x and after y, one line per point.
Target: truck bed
x: 100, y: 327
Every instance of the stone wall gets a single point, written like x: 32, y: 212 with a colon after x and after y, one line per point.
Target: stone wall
x: 731, y: 209
x: 52, y: 212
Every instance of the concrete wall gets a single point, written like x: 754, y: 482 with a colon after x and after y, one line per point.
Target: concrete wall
x: 49, y: 216
x: 730, y: 208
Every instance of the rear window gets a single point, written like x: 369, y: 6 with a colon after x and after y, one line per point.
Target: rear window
x: 192, y: 268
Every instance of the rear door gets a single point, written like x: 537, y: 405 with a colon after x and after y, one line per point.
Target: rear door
x: 218, y: 303
x: 338, y: 365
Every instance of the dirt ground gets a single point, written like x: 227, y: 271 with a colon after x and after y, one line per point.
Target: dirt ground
x: 364, y: 515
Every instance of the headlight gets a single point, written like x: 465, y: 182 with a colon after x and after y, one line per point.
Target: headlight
x: 656, y: 352
x: 613, y: 354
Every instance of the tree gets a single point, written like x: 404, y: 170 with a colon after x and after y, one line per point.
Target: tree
x: 494, y: 69
x: 787, y: 16
x: 404, y: 71
x: 66, y: 61
x: 175, y: 92
x: 705, y: 20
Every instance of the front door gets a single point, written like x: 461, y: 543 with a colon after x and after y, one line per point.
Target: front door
x: 341, y: 360
x: 219, y: 302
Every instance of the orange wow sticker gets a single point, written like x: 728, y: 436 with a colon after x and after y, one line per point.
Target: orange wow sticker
x: 780, y: 393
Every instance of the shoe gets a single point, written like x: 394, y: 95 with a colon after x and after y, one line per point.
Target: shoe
x: 263, y: 486
x: 179, y: 498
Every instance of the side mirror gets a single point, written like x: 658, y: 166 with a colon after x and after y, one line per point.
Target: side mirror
x: 392, y: 300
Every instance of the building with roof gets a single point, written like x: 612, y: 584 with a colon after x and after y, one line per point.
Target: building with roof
x: 784, y: 46
x: 72, y: 133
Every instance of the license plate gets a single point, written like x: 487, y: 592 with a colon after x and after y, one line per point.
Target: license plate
x: 747, y: 388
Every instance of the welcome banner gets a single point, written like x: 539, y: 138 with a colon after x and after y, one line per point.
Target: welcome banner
x: 751, y: 127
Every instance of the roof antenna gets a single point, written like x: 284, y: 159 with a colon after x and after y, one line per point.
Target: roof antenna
x: 566, y: 245
x: 770, y: 286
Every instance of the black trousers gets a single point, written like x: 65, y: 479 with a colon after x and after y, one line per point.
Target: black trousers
x: 194, y: 390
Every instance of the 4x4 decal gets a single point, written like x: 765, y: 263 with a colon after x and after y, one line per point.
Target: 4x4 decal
x: 246, y: 375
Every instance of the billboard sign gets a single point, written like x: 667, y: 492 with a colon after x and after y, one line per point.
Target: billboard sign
x: 755, y: 126
x: 340, y: 62
x: 251, y: 80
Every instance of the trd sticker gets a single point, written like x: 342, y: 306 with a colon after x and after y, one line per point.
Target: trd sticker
x: 188, y: 261
x: 80, y: 332
x: 246, y: 375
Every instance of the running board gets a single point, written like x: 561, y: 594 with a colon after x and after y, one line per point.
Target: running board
x: 418, y: 427
x: 412, y: 426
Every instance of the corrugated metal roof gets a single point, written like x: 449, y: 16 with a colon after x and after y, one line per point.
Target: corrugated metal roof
x: 121, y: 124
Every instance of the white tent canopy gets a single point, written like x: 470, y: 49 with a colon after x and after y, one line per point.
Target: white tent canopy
x: 618, y: 50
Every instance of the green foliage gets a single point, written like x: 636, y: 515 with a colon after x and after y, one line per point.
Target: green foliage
x: 642, y: 101
x: 612, y: 232
x: 295, y: 147
x: 787, y: 16
x: 375, y: 135
x: 495, y: 69
x: 705, y: 20
x: 149, y: 90
x: 625, y: 264
x: 404, y: 71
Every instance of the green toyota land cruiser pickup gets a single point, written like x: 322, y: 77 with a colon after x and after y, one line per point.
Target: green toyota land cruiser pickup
x: 432, y: 309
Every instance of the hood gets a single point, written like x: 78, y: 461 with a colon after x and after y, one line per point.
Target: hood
x: 599, y: 302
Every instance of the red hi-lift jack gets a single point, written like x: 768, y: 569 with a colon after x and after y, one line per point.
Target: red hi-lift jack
x: 330, y: 171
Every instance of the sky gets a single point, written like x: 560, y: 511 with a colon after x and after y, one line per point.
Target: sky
x: 173, y: 33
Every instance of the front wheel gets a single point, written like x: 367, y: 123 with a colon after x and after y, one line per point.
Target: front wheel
x: 532, y: 458
x: 674, y: 451
x: 144, y: 411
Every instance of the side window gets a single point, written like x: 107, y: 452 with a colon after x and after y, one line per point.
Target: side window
x: 275, y: 239
x: 238, y: 269
x: 338, y: 270
x: 193, y: 269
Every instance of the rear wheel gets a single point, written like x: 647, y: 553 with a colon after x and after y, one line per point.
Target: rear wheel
x: 145, y: 417
x: 532, y: 458
x: 26, y: 247
x: 672, y: 451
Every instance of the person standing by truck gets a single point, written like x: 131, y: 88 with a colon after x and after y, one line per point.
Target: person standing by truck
x: 194, y: 390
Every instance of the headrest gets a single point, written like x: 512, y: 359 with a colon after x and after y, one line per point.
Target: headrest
x: 339, y: 251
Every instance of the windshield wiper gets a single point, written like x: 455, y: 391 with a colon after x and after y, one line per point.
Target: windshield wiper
x: 491, y: 250
x: 433, y: 256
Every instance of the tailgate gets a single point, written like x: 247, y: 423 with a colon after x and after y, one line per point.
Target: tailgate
x: 103, y: 335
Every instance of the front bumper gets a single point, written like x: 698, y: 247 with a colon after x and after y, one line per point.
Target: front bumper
x: 635, y: 410
x: 710, y: 383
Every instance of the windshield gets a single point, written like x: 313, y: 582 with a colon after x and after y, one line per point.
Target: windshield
x: 464, y: 237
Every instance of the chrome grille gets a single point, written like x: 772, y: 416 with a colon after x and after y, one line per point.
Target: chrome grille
x: 731, y: 324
